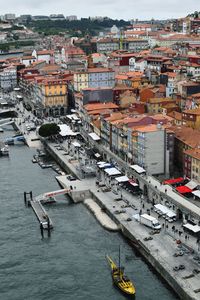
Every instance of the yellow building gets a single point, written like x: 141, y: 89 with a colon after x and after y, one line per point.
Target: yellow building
x: 81, y: 81
x: 191, y: 118
x: 54, y: 95
x: 154, y: 105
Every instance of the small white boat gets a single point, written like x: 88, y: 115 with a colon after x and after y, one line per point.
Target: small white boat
x: 1, y: 129
x: 4, y: 151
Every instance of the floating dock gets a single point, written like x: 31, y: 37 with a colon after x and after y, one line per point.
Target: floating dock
x: 41, y: 214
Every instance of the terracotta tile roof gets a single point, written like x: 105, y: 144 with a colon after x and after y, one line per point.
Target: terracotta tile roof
x: 170, y: 74
x: 188, y: 135
x: 135, y: 74
x: 122, y: 54
x: 148, y: 128
x: 160, y: 100
x: 45, y: 52
x: 98, y: 106
x: 195, y: 111
x: 194, y: 153
x: 175, y: 115
x: 114, y: 116
x: 196, y: 95
x: 99, y: 70
x: 28, y: 57
x: 99, y: 112
x: 121, y: 77
x: 51, y: 67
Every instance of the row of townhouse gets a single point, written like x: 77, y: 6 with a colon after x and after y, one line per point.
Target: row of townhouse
x: 133, y: 138
x: 45, y: 95
x: 149, y: 141
x: 108, y: 45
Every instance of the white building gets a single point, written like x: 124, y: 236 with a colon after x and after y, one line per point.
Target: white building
x: 3, y: 36
x: 9, y: 17
x: 72, y: 18
x: 139, y: 65
x: 193, y: 70
x: 46, y: 55
x: 153, y: 159
x: 8, y: 78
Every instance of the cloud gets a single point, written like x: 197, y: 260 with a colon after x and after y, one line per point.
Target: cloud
x: 141, y: 9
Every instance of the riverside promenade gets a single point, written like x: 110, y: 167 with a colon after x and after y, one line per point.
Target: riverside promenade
x: 160, y: 250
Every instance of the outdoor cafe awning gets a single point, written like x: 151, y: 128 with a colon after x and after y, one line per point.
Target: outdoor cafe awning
x: 165, y: 210
x: 138, y: 169
x: 76, y: 144
x: 173, y: 181
x: 132, y: 182
x: 183, y: 189
x: 194, y: 228
x: 94, y: 136
x: 112, y: 171
x: 122, y: 179
x: 104, y: 166
x: 192, y: 184
x: 101, y: 163
x: 196, y: 193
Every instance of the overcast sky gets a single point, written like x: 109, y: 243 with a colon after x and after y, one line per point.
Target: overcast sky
x: 117, y: 9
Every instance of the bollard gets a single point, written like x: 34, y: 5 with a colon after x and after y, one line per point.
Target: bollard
x: 31, y: 195
x: 25, y: 198
x: 48, y: 227
x: 41, y: 230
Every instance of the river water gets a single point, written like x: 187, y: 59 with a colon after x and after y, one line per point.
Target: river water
x: 71, y: 264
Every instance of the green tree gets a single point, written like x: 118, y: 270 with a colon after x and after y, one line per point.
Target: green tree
x: 47, y: 130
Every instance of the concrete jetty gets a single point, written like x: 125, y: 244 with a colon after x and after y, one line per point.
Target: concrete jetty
x: 101, y: 216
x: 41, y: 214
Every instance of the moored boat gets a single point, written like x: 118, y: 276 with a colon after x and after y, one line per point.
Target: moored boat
x: 119, y: 279
x: 4, y: 149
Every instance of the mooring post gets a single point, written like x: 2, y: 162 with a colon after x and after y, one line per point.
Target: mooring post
x: 41, y: 230
x: 48, y: 227
x: 25, y: 198
x: 31, y: 195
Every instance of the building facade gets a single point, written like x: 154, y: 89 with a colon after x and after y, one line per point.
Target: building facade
x: 94, y: 78
x: 8, y: 78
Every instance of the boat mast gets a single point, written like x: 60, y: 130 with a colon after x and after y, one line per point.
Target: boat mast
x: 119, y: 259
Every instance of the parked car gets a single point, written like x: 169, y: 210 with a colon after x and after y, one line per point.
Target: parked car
x: 71, y: 178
